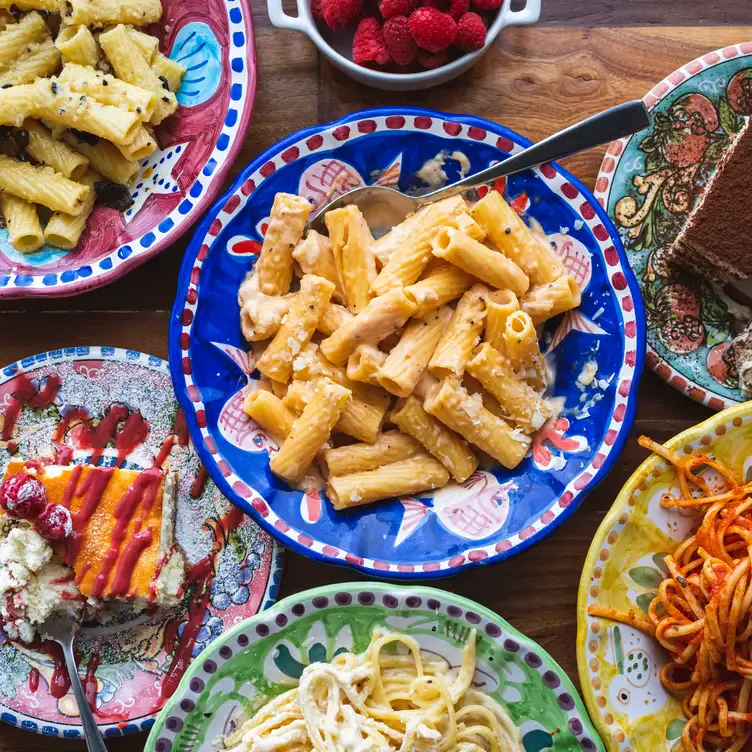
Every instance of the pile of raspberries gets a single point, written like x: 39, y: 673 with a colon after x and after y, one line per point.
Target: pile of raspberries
x: 409, y: 35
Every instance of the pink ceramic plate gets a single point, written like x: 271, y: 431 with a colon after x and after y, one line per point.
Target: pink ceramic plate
x: 214, y: 40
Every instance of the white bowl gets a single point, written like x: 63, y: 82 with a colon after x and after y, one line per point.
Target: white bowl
x: 337, y: 46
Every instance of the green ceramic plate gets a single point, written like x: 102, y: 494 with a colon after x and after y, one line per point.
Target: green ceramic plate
x: 264, y: 656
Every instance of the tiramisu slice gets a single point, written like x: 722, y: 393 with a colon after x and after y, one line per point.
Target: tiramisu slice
x: 715, y: 240
x: 83, y: 536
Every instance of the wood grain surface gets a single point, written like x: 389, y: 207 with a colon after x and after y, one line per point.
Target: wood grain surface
x: 582, y: 57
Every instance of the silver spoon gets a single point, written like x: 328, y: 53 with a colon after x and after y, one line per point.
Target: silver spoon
x: 62, y: 628
x: 383, y: 207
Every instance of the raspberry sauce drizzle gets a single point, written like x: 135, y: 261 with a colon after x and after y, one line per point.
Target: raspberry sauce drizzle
x: 89, y: 682
x: 121, y: 582
x: 26, y: 393
x: 91, y: 490
x: 142, y: 493
x: 202, y: 573
x: 33, y: 680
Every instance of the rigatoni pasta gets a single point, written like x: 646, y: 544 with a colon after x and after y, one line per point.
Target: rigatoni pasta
x: 21, y: 218
x: 410, y: 335
x: 72, y: 117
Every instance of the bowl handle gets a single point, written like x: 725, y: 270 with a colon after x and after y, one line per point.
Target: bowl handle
x: 281, y: 20
x: 527, y: 15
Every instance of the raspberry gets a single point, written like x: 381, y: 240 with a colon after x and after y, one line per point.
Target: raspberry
x: 392, y: 8
x: 487, y: 4
x: 431, y: 60
x: 400, y: 44
x: 432, y: 30
x: 317, y: 9
x: 22, y: 496
x: 368, y: 43
x: 458, y: 8
x: 471, y: 32
x: 54, y: 523
x: 339, y: 14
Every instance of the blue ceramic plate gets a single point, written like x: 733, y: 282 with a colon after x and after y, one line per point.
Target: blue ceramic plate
x: 495, y: 513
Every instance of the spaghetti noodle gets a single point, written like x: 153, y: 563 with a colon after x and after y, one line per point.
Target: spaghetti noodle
x: 395, y: 700
x: 702, y: 614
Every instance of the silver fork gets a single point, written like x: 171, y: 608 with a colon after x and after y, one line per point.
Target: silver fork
x: 62, y: 628
x: 383, y: 207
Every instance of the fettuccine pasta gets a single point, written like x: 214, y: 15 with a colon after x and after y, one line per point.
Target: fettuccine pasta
x: 393, y: 697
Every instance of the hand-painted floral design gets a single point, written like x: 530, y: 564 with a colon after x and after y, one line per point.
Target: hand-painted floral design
x: 117, y: 407
x: 649, y: 184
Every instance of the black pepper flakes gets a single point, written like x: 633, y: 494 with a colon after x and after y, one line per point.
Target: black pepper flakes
x: 53, y: 87
x: 105, y: 82
x: 166, y: 99
x: 6, y: 86
x: 312, y: 307
x: 84, y: 137
x: 507, y: 230
x: 165, y: 82
x: 138, y: 110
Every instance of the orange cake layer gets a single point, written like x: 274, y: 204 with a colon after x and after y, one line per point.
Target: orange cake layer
x: 117, y: 521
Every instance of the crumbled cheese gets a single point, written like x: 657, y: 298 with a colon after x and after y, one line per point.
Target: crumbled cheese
x: 587, y: 374
x: 564, y: 230
x: 25, y: 546
x: 578, y: 224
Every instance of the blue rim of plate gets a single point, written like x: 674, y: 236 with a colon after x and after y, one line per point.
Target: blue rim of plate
x: 242, y: 69
x: 623, y: 284
x: 271, y: 591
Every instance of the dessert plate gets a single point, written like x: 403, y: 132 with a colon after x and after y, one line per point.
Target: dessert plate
x: 130, y: 664
x: 265, y: 655
x: 493, y: 514
x: 648, y: 183
x: 214, y: 40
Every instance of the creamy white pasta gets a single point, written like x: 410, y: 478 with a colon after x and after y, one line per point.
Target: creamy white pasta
x: 398, y: 699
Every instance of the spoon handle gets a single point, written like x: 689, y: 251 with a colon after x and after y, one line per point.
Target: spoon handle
x: 94, y: 741
x: 617, y: 122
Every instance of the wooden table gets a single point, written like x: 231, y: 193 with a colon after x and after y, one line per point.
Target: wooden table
x: 583, y: 56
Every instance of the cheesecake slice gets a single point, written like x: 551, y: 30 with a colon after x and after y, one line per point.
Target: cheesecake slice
x: 96, y: 535
x: 714, y: 242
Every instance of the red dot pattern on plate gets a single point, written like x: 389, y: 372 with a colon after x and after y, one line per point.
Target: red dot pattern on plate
x: 600, y: 186
x: 248, y: 187
x: 191, y: 296
x: 366, y: 126
x: 305, y: 540
x: 630, y: 329
x: 186, y: 363
x: 569, y: 190
x: 598, y: 460
x: 342, y: 133
x: 201, y: 418
x: 422, y: 122
x: 548, y: 171
x: 214, y: 229
x: 456, y: 561
x: 616, y: 148
x: 477, y: 134
x: 547, y: 517
x: 746, y: 47
x: 395, y: 122
x: 193, y: 393
x: 730, y: 52
x: 330, y: 551
x: 715, y: 404
x: 405, y: 568
x: 314, y: 142
x: 582, y: 481
x: 712, y: 58
x: 232, y: 203
x: 566, y: 499
x: 352, y: 559
x: 619, y: 413
x: 608, y: 165
x: 282, y: 526
x: 619, y: 281
x: 203, y: 252
x: 628, y: 303
x: 185, y: 341
x: 527, y: 532
x: 186, y: 317
x: 453, y: 129
x: 268, y: 169
x: 624, y: 387
x: 694, y: 67
x: 477, y: 555
x: 291, y: 154
x: 382, y: 566
x: 210, y: 445
x: 505, y: 545
x: 676, y: 77
x: 224, y: 466
x: 240, y: 488
x: 611, y: 256
x: 601, y: 233
x: 505, y: 144
x: 431, y: 566
x: 260, y: 506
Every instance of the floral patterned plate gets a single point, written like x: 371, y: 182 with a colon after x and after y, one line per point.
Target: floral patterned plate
x: 494, y: 513
x: 618, y: 665
x: 135, y: 662
x: 214, y: 40
x: 264, y: 656
x: 648, y: 183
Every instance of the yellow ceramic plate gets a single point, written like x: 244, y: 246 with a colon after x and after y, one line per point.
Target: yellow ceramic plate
x: 618, y: 665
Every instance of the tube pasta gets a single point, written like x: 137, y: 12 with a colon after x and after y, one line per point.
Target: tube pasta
x: 269, y: 412
x: 143, y: 145
x: 365, y: 363
x: 488, y: 266
x: 105, y: 158
x: 546, y: 301
x: 46, y: 150
x: 500, y: 304
x: 286, y: 225
x: 375, y: 322
x: 101, y: 12
x: 314, y: 256
x: 524, y: 350
x: 42, y: 185
x: 466, y: 224
x: 131, y: 66
x: 24, y: 229
x: 414, y: 249
x: 49, y: 5
x: 77, y: 45
x: 297, y: 328
x: 515, y: 239
x: 169, y: 70
x: 64, y: 230
x: 351, y: 242
x: 109, y: 90
x: 15, y: 38
x: 408, y: 361
x: 461, y: 336
x: 391, y: 446
x: 333, y: 318
x: 520, y: 402
x: 466, y: 415
x: 310, y: 431
x: 421, y: 472
x: 449, y: 448
x: 148, y: 44
x: 442, y: 285
x: 40, y: 59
